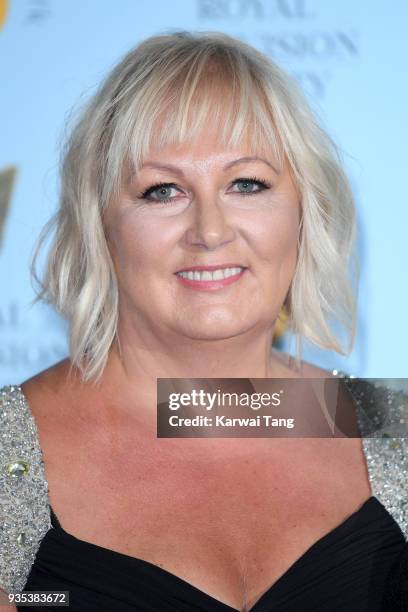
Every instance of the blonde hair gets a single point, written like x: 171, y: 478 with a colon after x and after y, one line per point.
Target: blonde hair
x: 190, y: 79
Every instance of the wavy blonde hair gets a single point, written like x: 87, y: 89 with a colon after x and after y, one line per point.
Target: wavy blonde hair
x: 191, y: 79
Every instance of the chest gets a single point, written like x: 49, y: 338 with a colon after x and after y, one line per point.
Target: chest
x: 227, y: 519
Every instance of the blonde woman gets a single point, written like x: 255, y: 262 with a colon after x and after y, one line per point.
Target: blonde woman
x: 197, y: 154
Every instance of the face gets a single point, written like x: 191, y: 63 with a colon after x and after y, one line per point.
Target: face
x: 213, y: 208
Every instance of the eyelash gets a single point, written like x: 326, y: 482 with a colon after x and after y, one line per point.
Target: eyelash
x: 260, y: 183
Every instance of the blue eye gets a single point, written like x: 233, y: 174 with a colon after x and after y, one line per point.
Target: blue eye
x: 248, y: 183
x: 163, y: 189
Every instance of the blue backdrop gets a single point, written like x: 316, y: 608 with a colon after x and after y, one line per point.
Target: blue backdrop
x: 350, y: 58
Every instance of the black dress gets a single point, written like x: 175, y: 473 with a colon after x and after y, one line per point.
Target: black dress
x: 359, y: 566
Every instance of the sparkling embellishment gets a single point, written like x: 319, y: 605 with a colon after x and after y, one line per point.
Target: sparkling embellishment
x: 24, y: 504
x: 18, y: 468
x: 386, y: 456
x: 395, y: 444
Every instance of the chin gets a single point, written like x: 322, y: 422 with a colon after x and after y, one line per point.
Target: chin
x: 215, y: 328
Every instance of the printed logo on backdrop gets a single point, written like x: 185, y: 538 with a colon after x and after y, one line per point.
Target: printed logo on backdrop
x: 7, y: 179
x: 19, y: 352
x: 31, y: 339
x: 36, y: 11
x: 292, y: 32
x: 3, y: 12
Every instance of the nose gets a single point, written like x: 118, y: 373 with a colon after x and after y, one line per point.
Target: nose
x: 209, y: 226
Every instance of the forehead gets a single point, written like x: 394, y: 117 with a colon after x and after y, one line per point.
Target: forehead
x: 201, y: 149
x: 207, y: 148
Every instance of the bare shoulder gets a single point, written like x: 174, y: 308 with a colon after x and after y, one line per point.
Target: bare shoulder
x: 49, y: 390
x: 61, y: 403
x: 51, y: 378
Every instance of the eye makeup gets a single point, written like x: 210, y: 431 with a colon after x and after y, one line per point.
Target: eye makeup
x: 261, y: 185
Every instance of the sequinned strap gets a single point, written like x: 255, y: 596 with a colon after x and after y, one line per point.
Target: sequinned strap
x: 387, y: 463
x: 379, y: 408
x: 24, y: 507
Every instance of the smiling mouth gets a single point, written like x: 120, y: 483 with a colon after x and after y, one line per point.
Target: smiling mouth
x: 211, y: 275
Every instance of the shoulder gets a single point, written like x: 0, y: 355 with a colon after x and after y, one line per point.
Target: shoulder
x: 387, y: 465
x: 49, y: 383
x: 22, y: 478
x: 52, y: 396
x: 56, y: 401
x: 383, y: 418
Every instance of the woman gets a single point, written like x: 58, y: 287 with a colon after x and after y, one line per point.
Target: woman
x: 197, y: 153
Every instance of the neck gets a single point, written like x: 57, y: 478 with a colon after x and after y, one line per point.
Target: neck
x: 135, y: 365
x: 129, y: 381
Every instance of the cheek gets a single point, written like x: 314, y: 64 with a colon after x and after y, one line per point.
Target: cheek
x: 139, y: 244
x: 275, y: 235
x: 127, y: 245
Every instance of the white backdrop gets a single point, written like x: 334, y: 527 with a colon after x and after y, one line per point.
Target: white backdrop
x: 350, y: 58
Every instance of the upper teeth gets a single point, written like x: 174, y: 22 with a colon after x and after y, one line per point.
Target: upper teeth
x: 206, y: 275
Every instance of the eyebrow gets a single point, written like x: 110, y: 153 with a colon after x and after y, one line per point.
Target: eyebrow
x: 241, y: 160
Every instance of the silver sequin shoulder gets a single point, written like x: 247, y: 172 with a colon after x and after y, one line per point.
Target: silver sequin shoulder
x: 381, y: 412
x: 24, y: 506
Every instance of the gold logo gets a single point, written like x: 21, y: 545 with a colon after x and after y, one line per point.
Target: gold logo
x: 280, y: 327
x: 7, y: 179
x: 3, y: 11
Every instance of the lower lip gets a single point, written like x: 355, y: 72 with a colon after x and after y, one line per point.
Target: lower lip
x: 212, y: 284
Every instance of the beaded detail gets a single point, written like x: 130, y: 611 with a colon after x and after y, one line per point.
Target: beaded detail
x: 24, y: 509
x: 380, y: 409
x: 24, y: 501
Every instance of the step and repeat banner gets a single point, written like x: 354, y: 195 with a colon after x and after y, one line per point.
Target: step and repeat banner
x: 350, y: 59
